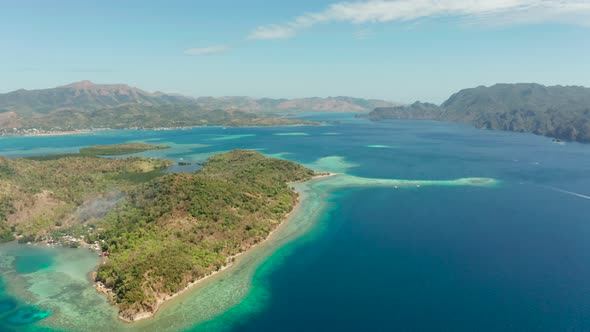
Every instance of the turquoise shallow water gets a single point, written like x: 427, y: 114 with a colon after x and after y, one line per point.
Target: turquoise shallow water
x: 407, y: 237
x: 17, y: 314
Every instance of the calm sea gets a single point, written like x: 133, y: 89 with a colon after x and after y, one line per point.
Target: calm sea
x: 515, y: 257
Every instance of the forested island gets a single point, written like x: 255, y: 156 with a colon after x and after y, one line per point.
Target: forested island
x: 561, y: 112
x: 157, y: 232
x: 103, y: 150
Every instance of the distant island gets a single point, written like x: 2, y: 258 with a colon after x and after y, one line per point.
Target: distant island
x: 85, y: 106
x: 312, y: 104
x: 158, y: 233
x: 120, y: 149
x: 561, y: 112
x: 103, y: 150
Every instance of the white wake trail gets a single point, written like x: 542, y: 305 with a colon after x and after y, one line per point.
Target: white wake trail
x: 569, y: 193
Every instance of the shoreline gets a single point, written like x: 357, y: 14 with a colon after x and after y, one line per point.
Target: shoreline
x: 56, y: 133
x: 230, y: 262
x: 92, y: 131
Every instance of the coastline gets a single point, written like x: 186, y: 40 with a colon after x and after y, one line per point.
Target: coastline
x: 91, y: 131
x: 56, y: 133
x: 231, y: 260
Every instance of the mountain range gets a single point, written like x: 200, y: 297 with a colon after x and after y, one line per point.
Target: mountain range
x: 84, y: 96
x: 561, y: 112
x: 85, y: 105
x: 313, y: 104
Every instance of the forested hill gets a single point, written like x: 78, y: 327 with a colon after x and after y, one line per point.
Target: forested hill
x: 42, y: 196
x: 181, y: 227
x: 415, y: 111
x: 162, y: 231
x: 561, y: 112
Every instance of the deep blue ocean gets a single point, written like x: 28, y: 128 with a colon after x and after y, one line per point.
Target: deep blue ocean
x: 511, y: 258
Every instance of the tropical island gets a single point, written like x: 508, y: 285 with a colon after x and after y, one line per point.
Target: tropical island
x: 120, y: 149
x: 157, y: 233
x: 103, y: 150
x: 561, y: 112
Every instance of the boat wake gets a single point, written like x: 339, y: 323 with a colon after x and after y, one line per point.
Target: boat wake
x: 569, y: 192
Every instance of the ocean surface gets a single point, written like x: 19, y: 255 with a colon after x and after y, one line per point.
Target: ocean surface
x: 367, y: 250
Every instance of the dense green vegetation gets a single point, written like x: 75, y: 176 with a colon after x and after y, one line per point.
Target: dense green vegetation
x: 415, y: 111
x: 558, y: 111
x: 162, y: 231
x: 119, y: 149
x: 37, y: 197
x: 102, y: 150
x: 180, y: 227
x: 6, y: 208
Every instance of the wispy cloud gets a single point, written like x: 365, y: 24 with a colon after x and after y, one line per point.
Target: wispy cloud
x: 575, y: 12
x: 207, y: 50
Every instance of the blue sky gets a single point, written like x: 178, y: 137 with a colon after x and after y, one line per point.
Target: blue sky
x: 400, y: 50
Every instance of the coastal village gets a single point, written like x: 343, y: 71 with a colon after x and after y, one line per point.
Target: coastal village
x: 67, y: 241
x: 41, y: 132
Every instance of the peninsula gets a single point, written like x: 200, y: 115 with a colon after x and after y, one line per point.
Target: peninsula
x: 158, y: 233
x: 561, y: 112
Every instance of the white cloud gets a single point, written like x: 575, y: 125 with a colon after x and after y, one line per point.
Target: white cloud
x: 207, y: 50
x: 273, y: 31
x: 482, y: 11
